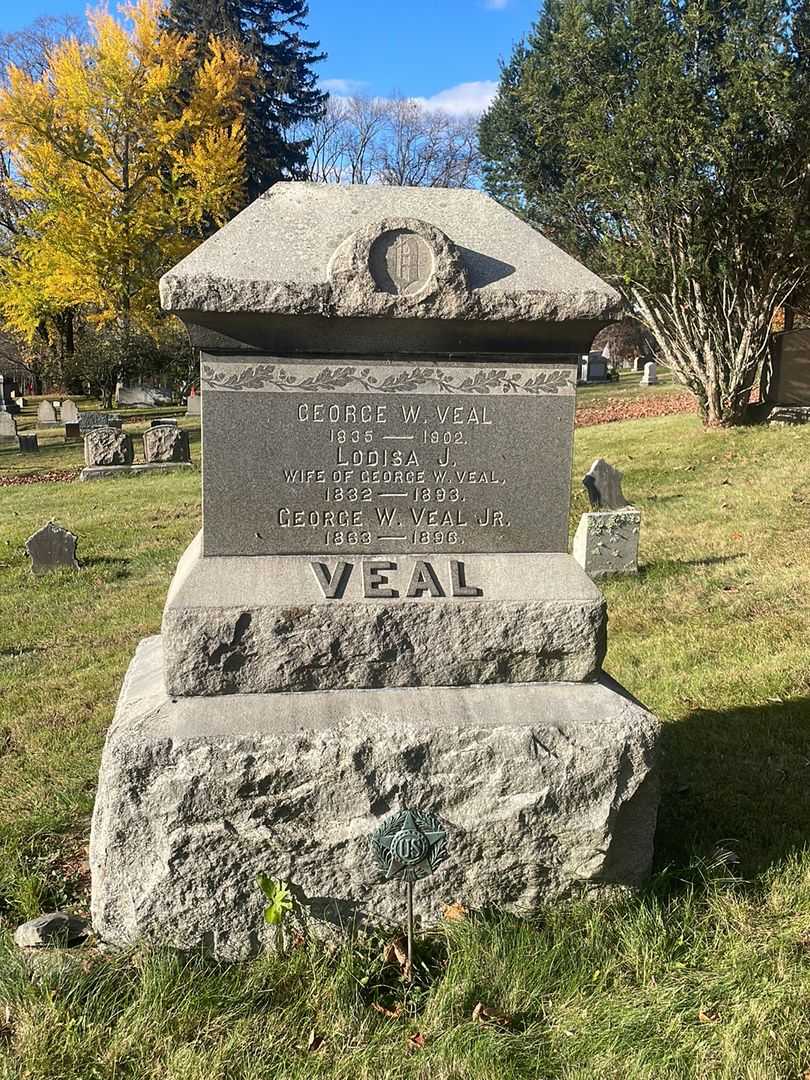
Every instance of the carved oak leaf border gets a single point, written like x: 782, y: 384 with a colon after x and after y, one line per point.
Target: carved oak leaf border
x: 355, y: 379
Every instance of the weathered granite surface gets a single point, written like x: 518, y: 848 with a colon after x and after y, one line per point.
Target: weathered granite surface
x: 104, y: 446
x: 302, y: 249
x: 603, y: 484
x: 606, y: 542
x: 52, y: 548
x: 166, y: 442
x: 543, y: 788
x: 260, y: 625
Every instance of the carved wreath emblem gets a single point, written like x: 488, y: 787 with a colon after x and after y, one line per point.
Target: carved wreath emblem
x: 409, y: 845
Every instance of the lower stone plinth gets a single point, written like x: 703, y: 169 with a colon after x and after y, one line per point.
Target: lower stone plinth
x: 606, y: 542
x: 543, y: 788
x: 110, y: 472
x: 262, y: 623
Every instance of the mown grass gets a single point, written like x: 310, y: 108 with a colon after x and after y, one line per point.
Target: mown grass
x: 706, y: 974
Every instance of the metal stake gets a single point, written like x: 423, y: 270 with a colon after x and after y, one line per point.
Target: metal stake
x: 409, y: 887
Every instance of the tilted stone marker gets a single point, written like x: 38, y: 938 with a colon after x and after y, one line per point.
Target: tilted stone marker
x: 46, y: 415
x: 606, y: 541
x: 388, y: 407
x: 164, y: 443
x: 603, y: 484
x: 650, y: 376
x: 52, y: 548
x: 69, y: 414
x: 8, y: 430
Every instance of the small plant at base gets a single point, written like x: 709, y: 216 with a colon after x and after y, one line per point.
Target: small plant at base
x: 279, y: 899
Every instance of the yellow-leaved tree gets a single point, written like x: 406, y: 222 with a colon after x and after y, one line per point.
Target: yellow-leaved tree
x: 125, y: 150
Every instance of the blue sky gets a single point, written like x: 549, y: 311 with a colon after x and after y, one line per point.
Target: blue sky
x: 443, y: 50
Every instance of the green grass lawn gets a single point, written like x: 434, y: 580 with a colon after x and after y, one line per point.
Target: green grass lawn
x: 628, y: 385
x: 706, y: 974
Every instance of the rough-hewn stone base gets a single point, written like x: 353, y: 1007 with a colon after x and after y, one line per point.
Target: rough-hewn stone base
x: 261, y: 624
x: 109, y: 472
x: 789, y: 415
x: 606, y: 542
x: 543, y: 789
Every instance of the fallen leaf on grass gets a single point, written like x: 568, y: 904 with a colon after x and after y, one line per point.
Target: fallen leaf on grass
x: 315, y: 1042
x: 709, y: 1016
x: 417, y: 1041
x: 454, y: 912
x: 396, y: 953
x: 392, y: 1014
x: 483, y: 1014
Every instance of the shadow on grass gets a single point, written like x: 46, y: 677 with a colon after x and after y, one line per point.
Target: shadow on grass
x: 673, y: 566
x: 740, y: 779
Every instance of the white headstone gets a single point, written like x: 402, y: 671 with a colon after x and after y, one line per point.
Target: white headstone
x: 8, y: 429
x: 650, y: 377
x: 46, y: 414
x: 70, y: 414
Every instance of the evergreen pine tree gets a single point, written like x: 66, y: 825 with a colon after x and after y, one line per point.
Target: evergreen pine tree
x: 269, y: 31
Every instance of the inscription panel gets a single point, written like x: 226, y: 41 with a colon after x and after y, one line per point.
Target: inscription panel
x: 376, y: 458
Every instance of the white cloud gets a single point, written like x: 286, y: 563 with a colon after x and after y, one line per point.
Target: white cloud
x: 343, y: 87
x: 495, y: 5
x: 470, y: 98
x: 465, y: 99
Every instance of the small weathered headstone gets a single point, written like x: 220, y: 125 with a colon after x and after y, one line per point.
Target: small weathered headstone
x: 650, y: 376
x: 90, y: 420
x: 8, y: 429
x: 56, y: 928
x: 52, y: 548
x: 28, y: 442
x: 69, y: 413
x: 46, y: 415
x: 194, y: 405
x: 106, y: 446
x: 73, y: 432
x: 604, y: 486
x: 606, y: 542
x: 165, y: 443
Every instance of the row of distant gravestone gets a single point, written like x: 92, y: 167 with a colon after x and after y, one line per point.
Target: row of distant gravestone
x: 76, y: 425
x: 46, y: 413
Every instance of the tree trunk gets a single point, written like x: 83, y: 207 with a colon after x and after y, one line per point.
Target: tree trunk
x: 716, y: 342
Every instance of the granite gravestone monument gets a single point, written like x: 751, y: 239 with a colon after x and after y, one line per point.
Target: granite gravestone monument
x: 52, y: 548
x: 69, y: 413
x: 650, y: 376
x: 607, y: 539
x: 46, y: 415
x: 8, y: 430
x: 388, y: 400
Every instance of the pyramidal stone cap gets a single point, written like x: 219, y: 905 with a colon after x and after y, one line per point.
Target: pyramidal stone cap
x: 361, y: 251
